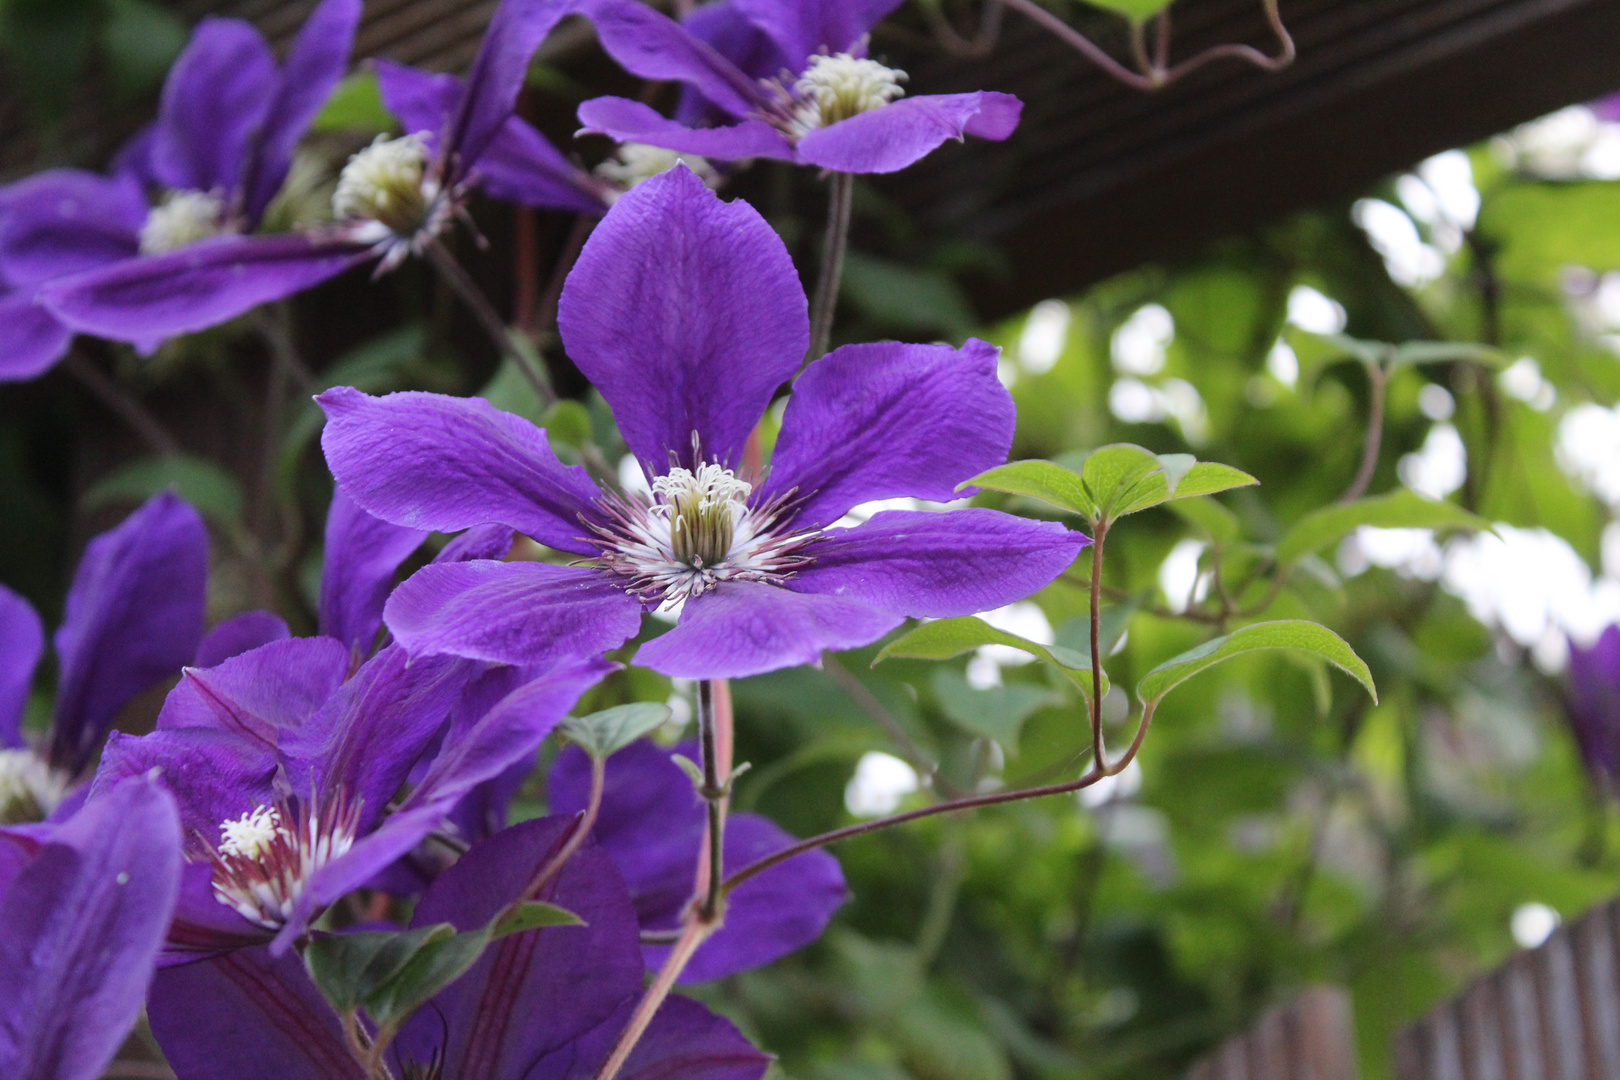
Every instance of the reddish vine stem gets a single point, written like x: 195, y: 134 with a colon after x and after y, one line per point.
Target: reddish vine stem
x: 1378, y: 382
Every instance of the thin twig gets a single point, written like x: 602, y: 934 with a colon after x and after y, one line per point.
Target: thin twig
x: 546, y: 313
x: 692, y: 935
x: 1378, y: 381
x: 976, y: 47
x: 276, y: 331
x: 840, y: 198
x: 455, y: 275
x: 121, y: 402
x: 1099, y: 534
x: 714, y: 794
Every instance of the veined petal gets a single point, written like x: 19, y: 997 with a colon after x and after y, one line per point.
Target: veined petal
x: 888, y: 420
x: 248, y: 1015
x: 742, y: 628
x: 239, y: 634
x: 315, y: 63
x: 214, y: 776
x: 520, y: 165
x: 510, y: 613
x: 259, y: 693
x: 151, y: 298
x: 939, y: 564
x: 134, y: 615
x: 32, y: 340
x: 22, y: 641
x: 490, y: 93
x: 734, y: 37
x: 650, y: 44
x: 216, y: 96
x: 423, y: 102
x: 362, y: 555
x: 80, y: 930
x: 428, y: 461
x: 888, y: 139
x: 632, y: 121
x: 67, y: 221
x: 802, y: 28
x: 687, y: 314
x: 684, y: 1039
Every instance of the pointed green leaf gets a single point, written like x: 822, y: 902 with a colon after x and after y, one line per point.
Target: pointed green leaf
x: 429, y: 969
x: 347, y: 968
x: 355, y: 104
x: 1134, y: 10
x: 532, y: 915
x: 1401, y: 509
x: 602, y: 734
x: 1210, y: 517
x: 210, y: 489
x: 945, y: 638
x: 996, y: 712
x: 1175, y: 467
x: 1202, y: 478
x: 1295, y: 634
x: 1112, y: 472
x: 1038, y: 480
x: 693, y: 771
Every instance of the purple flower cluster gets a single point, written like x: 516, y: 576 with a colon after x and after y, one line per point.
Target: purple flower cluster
x: 297, y: 792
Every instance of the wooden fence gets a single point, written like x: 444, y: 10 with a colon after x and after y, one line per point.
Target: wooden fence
x: 1550, y: 1013
x: 1312, y: 1038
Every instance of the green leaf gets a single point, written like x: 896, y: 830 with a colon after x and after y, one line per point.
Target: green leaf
x: 1401, y: 509
x: 532, y: 915
x: 1439, y: 352
x: 1209, y: 517
x: 1111, y: 472
x: 347, y: 968
x: 1038, y: 480
x: 1075, y: 633
x: 906, y: 297
x: 1202, y: 478
x: 431, y: 968
x: 996, y: 712
x: 604, y: 733
x: 945, y: 638
x: 1295, y: 634
x: 567, y: 422
x: 1134, y: 10
x: 210, y: 489
x: 355, y: 104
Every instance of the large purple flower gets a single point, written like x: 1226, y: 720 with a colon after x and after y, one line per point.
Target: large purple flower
x: 134, y: 616
x: 686, y: 313
x: 1594, y: 705
x: 83, y: 909
x: 393, y: 199
x: 785, y: 79
x: 545, y: 1004
x: 216, y: 156
x: 285, y: 769
x: 652, y: 823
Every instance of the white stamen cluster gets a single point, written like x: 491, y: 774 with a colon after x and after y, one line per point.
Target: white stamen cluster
x: 840, y: 86
x: 182, y: 219
x: 387, y: 183
x: 29, y: 788
x: 266, y: 857
x: 698, y: 531
x: 634, y: 162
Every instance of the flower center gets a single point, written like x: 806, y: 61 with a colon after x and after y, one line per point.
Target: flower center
x: 837, y: 87
x: 697, y: 531
x: 266, y: 857
x: 29, y: 788
x: 385, y: 183
x: 634, y: 162
x: 182, y: 219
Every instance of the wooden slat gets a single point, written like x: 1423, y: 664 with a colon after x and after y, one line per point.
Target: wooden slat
x: 1312, y: 1038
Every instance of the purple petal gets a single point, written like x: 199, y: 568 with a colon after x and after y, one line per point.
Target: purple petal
x: 66, y: 221
x: 651, y: 822
x: 203, y: 927
x: 428, y: 461
x: 364, y: 740
x: 888, y: 420
x: 259, y: 694
x: 134, y: 158
x: 511, y: 613
x: 214, y: 776
x: 520, y: 165
x: 888, y: 139
x: 422, y: 102
x: 631, y: 121
x: 80, y: 930
x: 650, y: 44
x: 1594, y: 703
x: 730, y: 34
x: 22, y: 642
x: 31, y: 339
x: 687, y: 314
x: 479, y: 542
x: 746, y: 628
x: 215, y: 98
x: 939, y: 564
x: 239, y: 634
x: 316, y: 61
x: 158, y: 296
x: 491, y: 91
x: 535, y: 993
x: 802, y: 28
x: 362, y: 555
x: 248, y: 1016
x: 134, y: 615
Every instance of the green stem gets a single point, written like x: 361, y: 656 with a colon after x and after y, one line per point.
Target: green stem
x: 455, y: 275
x: 1099, y: 534
x: 840, y: 198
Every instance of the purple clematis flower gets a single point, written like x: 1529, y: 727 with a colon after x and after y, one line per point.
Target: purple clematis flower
x: 541, y: 1005
x: 1593, y: 702
x: 652, y: 824
x: 393, y: 199
x: 686, y: 313
x: 84, y: 904
x: 285, y: 768
x: 218, y: 153
x: 786, y: 79
x: 134, y: 616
